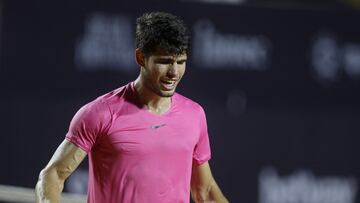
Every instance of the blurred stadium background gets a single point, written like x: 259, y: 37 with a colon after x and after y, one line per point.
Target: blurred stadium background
x: 279, y: 80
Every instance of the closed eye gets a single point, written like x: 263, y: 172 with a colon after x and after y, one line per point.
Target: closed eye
x: 164, y: 61
x: 181, y: 62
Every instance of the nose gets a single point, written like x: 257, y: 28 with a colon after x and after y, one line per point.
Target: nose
x: 173, y: 71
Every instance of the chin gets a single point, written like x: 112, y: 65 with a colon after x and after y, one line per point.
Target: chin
x: 166, y: 93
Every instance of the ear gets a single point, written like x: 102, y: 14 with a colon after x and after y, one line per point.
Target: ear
x: 139, y: 57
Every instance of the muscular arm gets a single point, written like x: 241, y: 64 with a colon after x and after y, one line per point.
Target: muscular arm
x: 65, y: 160
x: 203, y: 186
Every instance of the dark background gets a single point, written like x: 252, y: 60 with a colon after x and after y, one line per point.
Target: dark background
x: 283, y: 117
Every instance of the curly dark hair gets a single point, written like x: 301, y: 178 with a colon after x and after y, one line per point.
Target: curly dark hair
x: 160, y: 30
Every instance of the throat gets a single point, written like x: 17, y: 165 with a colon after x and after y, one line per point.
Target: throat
x: 159, y: 107
x: 151, y: 102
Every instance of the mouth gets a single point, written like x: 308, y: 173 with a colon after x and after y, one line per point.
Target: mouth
x: 168, y: 84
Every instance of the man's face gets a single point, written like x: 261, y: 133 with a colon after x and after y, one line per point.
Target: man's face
x: 162, y: 72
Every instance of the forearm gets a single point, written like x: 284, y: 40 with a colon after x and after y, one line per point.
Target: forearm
x: 49, y: 187
x: 210, y: 194
x: 216, y: 195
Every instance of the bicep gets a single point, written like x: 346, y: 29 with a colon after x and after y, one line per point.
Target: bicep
x: 66, y: 159
x: 201, y: 175
x: 203, y: 185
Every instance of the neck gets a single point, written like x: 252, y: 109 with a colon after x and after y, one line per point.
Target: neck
x: 150, y: 100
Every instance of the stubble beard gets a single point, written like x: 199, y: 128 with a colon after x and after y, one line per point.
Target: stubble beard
x: 156, y: 89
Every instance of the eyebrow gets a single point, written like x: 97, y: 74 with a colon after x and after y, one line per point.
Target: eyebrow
x: 169, y: 58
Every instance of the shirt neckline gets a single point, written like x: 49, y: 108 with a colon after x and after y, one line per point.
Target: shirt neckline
x: 170, y: 110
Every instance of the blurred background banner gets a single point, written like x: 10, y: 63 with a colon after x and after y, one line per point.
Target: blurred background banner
x: 279, y: 81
